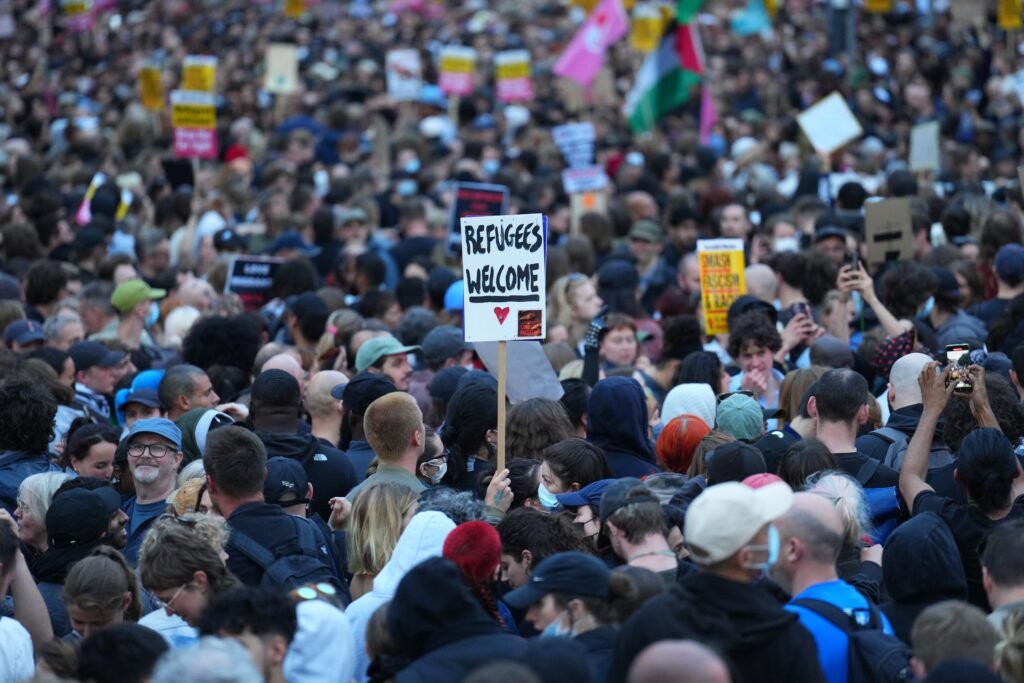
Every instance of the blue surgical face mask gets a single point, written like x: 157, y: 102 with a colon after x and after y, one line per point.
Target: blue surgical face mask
x: 546, y: 498
x: 773, y: 547
x: 406, y: 187
x: 556, y: 630
x: 926, y: 310
x: 491, y: 166
x: 154, y: 314
x: 412, y: 166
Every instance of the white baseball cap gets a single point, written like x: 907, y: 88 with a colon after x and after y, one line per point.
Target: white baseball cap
x: 727, y: 516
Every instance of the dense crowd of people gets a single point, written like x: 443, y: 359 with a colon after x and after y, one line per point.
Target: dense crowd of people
x: 215, y: 478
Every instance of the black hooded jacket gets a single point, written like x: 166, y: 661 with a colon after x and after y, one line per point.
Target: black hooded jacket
x: 442, y: 629
x: 617, y: 424
x: 762, y: 641
x: 329, y: 470
x: 921, y: 566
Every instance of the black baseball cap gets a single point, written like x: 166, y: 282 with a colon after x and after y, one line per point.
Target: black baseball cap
x: 227, y: 239
x: 87, y: 354
x: 734, y: 461
x: 80, y: 516
x: 307, y: 303
x: 569, y: 573
x: 146, y: 397
x: 362, y: 390
x: 442, y: 343
x: 286, y: 482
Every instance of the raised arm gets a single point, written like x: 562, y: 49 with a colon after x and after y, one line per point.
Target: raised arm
x: 934, y: 395
x: 29, y: 607
x: 859, y: 280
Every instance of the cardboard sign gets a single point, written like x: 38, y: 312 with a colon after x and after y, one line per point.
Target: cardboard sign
x: 282, y: 68
x: 888, y: 231
x: 199, y: 73
x: 194, y: 118
x: 586, y: 179
x: 829, y: 124
x: 533, y: 377
x: 924, y: 147
x: 503, y: 265
x: 151, y: 88
x: 968, y: 11
x: 512, y: 71
x: 294, y: 9
x: 1010, y: 14
x: 646, y: 28
x: 582, y: 203
x: 250, y: 278
x: 405, y: 75
x: 77, y: 15
x: 457, y: 67
x: 473, y: 199
x: 722, y: 280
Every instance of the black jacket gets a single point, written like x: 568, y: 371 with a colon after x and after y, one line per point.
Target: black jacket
x: 329, y: 470
x: 762, y: 641
x: 271, y: 527
x: 441, y: 628
x: 904, y: 419
x: 921, y: 566
x: 600, y: 645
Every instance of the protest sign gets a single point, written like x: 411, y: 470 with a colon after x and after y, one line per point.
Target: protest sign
x: 194, y: 118
x: 405, y: 75
x: 585, y: 202
x: 473, y: 199
x: 1010, y: 14
x: 533, y: 377
x: 722, y: 280
x: 457, y: 66
x: 968, y: 11
x: 924, y: 147
x: 888, y: 231
x: 282, y: 69
x: 576, y: 141
x: 512, y: 71
x: 646, y: 28
x: 294, y: 9
x: 586, y: 179
x: 151, y: 88
x: 250, y: 278
x: 199, y: 73
x: 77, y: 15
x: 878, y: 6
x: 829, y: 124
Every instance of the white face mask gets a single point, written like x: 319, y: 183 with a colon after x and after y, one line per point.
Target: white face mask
x: 436, y: 477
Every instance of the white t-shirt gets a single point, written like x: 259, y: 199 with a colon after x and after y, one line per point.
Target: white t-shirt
x: 17, y: 663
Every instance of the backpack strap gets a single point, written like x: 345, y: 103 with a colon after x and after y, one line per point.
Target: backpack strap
x: 251, y: 549
x: 306, y: 539
x: 890, y: 434
x: 838, y: 617
x: 867, y: 470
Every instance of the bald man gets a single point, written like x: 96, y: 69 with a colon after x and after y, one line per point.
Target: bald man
x: 286, y: 361
x: 325, y: 410
x: 811, y: 535
x: 762, y: 283
x: 678, y: 661
x: 641, y: 205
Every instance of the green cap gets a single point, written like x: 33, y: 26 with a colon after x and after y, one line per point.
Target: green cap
x: 131, y: 293
x: 376, y: 348
x: 646, y: 230
x: 740, y: 416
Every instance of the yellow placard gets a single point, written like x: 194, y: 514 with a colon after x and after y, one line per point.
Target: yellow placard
x: 199, y: 74
x: 455, y: 64
x: 513, y: 70
x: 646, y: 28
x: 773, y: 8
x: 587, y: 5
x: 1010, y: 14
x: 294, y: 9
x: 878, y: 6
x: 722, y: 280
x: 151, y: 88
x: 74, y: 8
x: 193, y: 110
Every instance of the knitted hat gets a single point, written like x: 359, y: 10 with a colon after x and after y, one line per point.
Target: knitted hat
x: 475, y: 548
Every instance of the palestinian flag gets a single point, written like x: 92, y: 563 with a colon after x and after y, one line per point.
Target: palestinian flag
x: 667, y: 77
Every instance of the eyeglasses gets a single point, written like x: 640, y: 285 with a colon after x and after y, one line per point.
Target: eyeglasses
x: 157, y: 450
x: 169, y: 605
x: 572, y: 279
x: 741, y: 392
x: 316, y: 591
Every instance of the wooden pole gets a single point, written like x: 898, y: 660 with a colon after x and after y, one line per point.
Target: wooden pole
x: 501, y: 406
x: 453, y: 109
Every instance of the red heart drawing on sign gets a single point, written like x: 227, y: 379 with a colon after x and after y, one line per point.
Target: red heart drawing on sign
x: 501, y: 314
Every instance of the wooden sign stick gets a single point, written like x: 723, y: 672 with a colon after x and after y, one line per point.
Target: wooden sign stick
x: 500, y: 464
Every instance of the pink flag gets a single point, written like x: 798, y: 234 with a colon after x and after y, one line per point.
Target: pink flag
x: 582, y: 60
x: 708, y: 115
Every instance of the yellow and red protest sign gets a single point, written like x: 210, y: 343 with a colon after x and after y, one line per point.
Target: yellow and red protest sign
x: 151, y: 88
x: 458, y: 64
x: 646, y: 28
x: 722, y: 280
x: 512, y: 69
x: 1010, y: 14
x: 77, y: 14
x: 878, y: 6
x: 199, y: 73
x: 294, y: 9
x: 194, y: 118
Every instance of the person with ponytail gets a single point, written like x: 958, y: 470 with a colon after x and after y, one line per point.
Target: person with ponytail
x: 576, y: 595
x: 101, y: 590
x: 475, y: 548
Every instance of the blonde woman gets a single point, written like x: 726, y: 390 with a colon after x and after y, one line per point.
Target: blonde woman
x: 573, y: 302
x: 849, y: 499
x: 378, y: 516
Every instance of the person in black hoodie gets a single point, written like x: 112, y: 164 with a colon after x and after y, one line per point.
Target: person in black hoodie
x: 617, y: 424
x: 441, y: 628
x: 276, y: 402
x: 921, y: 566
x: 729, y: 534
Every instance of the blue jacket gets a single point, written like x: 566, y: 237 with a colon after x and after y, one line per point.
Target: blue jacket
x: 14, y: 467
x: 617, y: 424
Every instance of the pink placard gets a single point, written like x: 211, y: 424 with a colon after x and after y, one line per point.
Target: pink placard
x: 456, y: 83
x: 515, y: 89
x: 197, y: 143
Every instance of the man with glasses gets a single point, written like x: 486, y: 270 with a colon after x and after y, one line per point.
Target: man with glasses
x: 154, y: 453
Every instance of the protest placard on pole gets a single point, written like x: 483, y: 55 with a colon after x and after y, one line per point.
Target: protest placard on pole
x: 722, y: 280
x: 250, y: 278
x: 194, y: 118
x: 404, y: 75
x: 504, y: 272
x: 77, y: 15
x: 888, y: 231
x: 294, y: 9
x: 924, y: 147
x: 829, y: 124
x: 151, y: 88
x: 457, y: 67
x: 1010, y: 14
x: 585, y: 202
x: 282, y: 69
x: 473, y: 199
x: 646, y: 28
x: 512, y: 73
x: 199, y: 73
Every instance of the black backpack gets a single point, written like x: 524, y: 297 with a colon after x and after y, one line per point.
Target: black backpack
x: 287, y: 571
x: 874, y: 656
